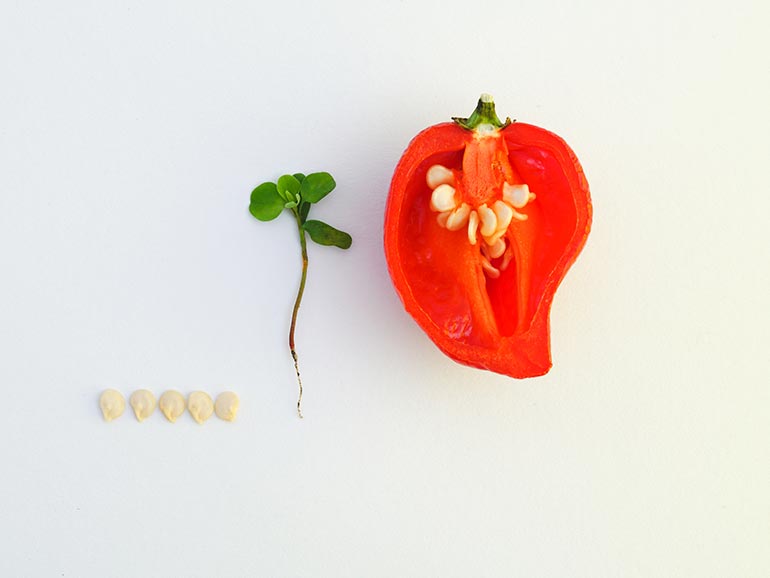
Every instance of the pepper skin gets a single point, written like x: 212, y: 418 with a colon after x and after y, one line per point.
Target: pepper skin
x: 483, y: 220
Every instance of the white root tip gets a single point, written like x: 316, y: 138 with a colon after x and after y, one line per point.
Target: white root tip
x: 506, y: 259
x: 473, y: 225
x: 489, y: 269
x: 519, y: 216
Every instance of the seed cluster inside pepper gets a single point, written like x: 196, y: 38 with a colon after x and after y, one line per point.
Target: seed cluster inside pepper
x: 490, y: 218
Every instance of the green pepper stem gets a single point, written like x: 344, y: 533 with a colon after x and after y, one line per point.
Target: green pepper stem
x: 303, y: 279
x: 484, y: 114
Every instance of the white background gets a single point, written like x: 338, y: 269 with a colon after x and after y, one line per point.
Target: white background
x: 131, y: 135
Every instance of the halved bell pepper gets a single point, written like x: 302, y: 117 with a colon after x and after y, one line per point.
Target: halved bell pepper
x: 483, y: 220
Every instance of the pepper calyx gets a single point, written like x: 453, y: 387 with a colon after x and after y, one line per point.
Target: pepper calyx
x: 483, y: 115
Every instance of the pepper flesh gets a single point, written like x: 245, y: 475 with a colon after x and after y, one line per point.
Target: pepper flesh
x: 483, y: 307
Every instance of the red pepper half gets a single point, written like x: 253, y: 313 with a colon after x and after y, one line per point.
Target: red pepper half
x: 483, y: 220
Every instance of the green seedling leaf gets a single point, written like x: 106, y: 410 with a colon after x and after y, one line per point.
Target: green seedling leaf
x: 288, y: 183
x: 288, y: 186
x: 324, y: 234
x: 316, y: 186
x: 299, y: 176
x: 266, y: 204
x: 304, y: 209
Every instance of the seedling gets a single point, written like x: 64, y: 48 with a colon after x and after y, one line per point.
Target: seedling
x: 295, y: 194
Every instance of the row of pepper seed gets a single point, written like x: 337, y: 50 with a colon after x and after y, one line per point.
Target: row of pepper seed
x: 171, y: 403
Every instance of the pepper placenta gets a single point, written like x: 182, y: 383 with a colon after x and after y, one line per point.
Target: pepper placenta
x: 483, y: 220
